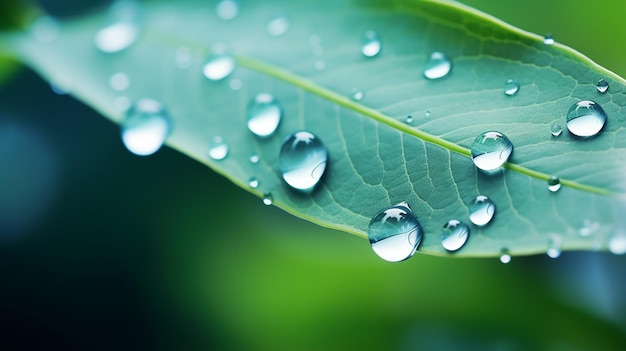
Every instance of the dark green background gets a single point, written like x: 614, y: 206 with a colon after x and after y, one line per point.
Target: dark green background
x: 104, y: 250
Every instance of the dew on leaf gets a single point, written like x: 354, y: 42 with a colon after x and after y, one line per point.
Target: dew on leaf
x: 554, y: 184
x: 491, y: 150
x: 253, y: 182
x: 511, y: 87
x: 395, y: 233
x: 505, y: 257
x: 585, y: 118
x: 409, y: 119
x: 218, y: 149
x: 617, y: 243
x: 218, y: 66
x: 556, y: 129
x: 302, y: 160
x: 588, y: 227
x: 602, y: 86
x: 438, y: 66
x: 370, y: 44
x: 227, y: 9
x: 357, y: 96
x: 116, y: 37
x: 145, y: 127
x: 254, y: 159
x: 548, y: 39
x: 119, y: 81
x: 454, y: 235
x: 278, y: 26
x: 482, y: 210
x: 264, y: 115
x: 554, y: 247
x: 268, y: 199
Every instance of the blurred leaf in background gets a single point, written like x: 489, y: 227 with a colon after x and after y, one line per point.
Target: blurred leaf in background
x: 101, y: 249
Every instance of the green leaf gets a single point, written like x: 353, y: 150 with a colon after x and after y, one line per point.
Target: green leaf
x: 376, y: 159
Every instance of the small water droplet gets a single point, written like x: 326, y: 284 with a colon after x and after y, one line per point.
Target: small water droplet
x: 548, y: 39
x: 554, y: 247
x: 227, y: 9
x: 395, y: 233
x: 588, y: 227
x: 491, y: 150
x: 438, y: 66
x: 253, y: 182
x: 370, y: 44
x: 184, y: 57
x: 617, y: 243
x: 320, y: 65
x: 511, y: 87
x: 585, y: 118
x: 278, y: 26
x: 554, y: 184
x: 254, y: 159
x: 116, y: 37
x: 145, y: 127
x: 602, y: 86
x: 218, y: 150
x: 45, y: 29
x: 122, y: 103
x: 427, y: 114
x: 482, y: 210
x: 409, y: 119
x: 302, y: 160
x: 268, y: 199
x: 556, y: 129
x: 505, y: 257
x: 357, y: 96
x: 218, y: 67
x: 119, y: 81
x: 454, y: 235
x: 264, y: 114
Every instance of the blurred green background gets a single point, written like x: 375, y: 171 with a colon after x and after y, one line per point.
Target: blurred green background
x: 104, y: 250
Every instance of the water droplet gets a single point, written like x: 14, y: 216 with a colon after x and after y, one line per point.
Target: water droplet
x: 218, y: 150
x: 235, y: 84
x: 491, y: 150
x: 122, y: 103
x: 588, y: 227
x: 556, y: 129
x: 253, y: 182
x: 227, y: 9
x: 264, y: 114
x: 505, y: 257
x: 548, y: 39
x: 145, y: 127
x: 409, y: 119
x: 218, y: 67
x: 254, y: 159
x: 278, y: 26
x: 482, y: 210
x: 116, y: 37
x: 395, y: 233
x: 438, y: 66
x: 320, y: 65
x: 511, y: 87
x: 454, y: 235
x: 184, y: 57
x: 302, y: 160
x: 357, y: 96
x: 617, y: 243
x: 370, y: 44
x: 585, y: 118
x: 554, y: 184
x: 119, y: 81
x: 554, y: 247
x: 427, y: 114
x: 602, y: 86
x: 45, y: 29
x: 268, y: 199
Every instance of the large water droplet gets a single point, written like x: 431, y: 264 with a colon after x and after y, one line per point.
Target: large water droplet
x: 227, y: 9
x: 370, y: 44
x: 145, y: 127
x: 556, y: 129
x: 302, y: 160
x: 278, y: 26
x: 585, y: 118
x: 617, y: 243
x: 438, y: 66
x: 116, y: 37
x: 395, y: 233
x: 505, y: 257
x: 491, y: 150
x: 218, y: 149
x: 511, y: 87
x: 454, y: 235
x: 482, y: 210
x: 253, y: 182
x: 119, y: 81
x: 554, y: 184
x: 602, y: 86
x: 548, y: 39
x: 268, y: 199
x: 264, y: 114
x: 218, y: 67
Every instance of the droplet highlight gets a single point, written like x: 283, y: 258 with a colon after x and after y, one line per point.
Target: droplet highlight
x: 264, y: 115
x: 253, y: 182
x: 491, y: 150
x: 409, y: 120
x: 548, y: 39
x: 218, y: 149
x: 588, y: 227
x: 145, y: 127
x: 357, y: 96
x: 395, y: 233
x: 254, y: 159
x: 302, y: 160
x: 278, y: 26
x: 617, y: 243
x: 482, y: 210
x: 602, y: 86
x: 505, y: 257
x: 585, y: 118
x: 219, y: 66
x: 554, y: 247
x: 438, y: 66
x: 454, y: 235
x: 268, y: 199
x: 370, y: 44
x: 511, y: 87
x: 116, y: 37
x: 554, y: 184
x: 556, y: 129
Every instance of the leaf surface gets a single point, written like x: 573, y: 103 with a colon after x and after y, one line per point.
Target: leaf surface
x: 375, y: 158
